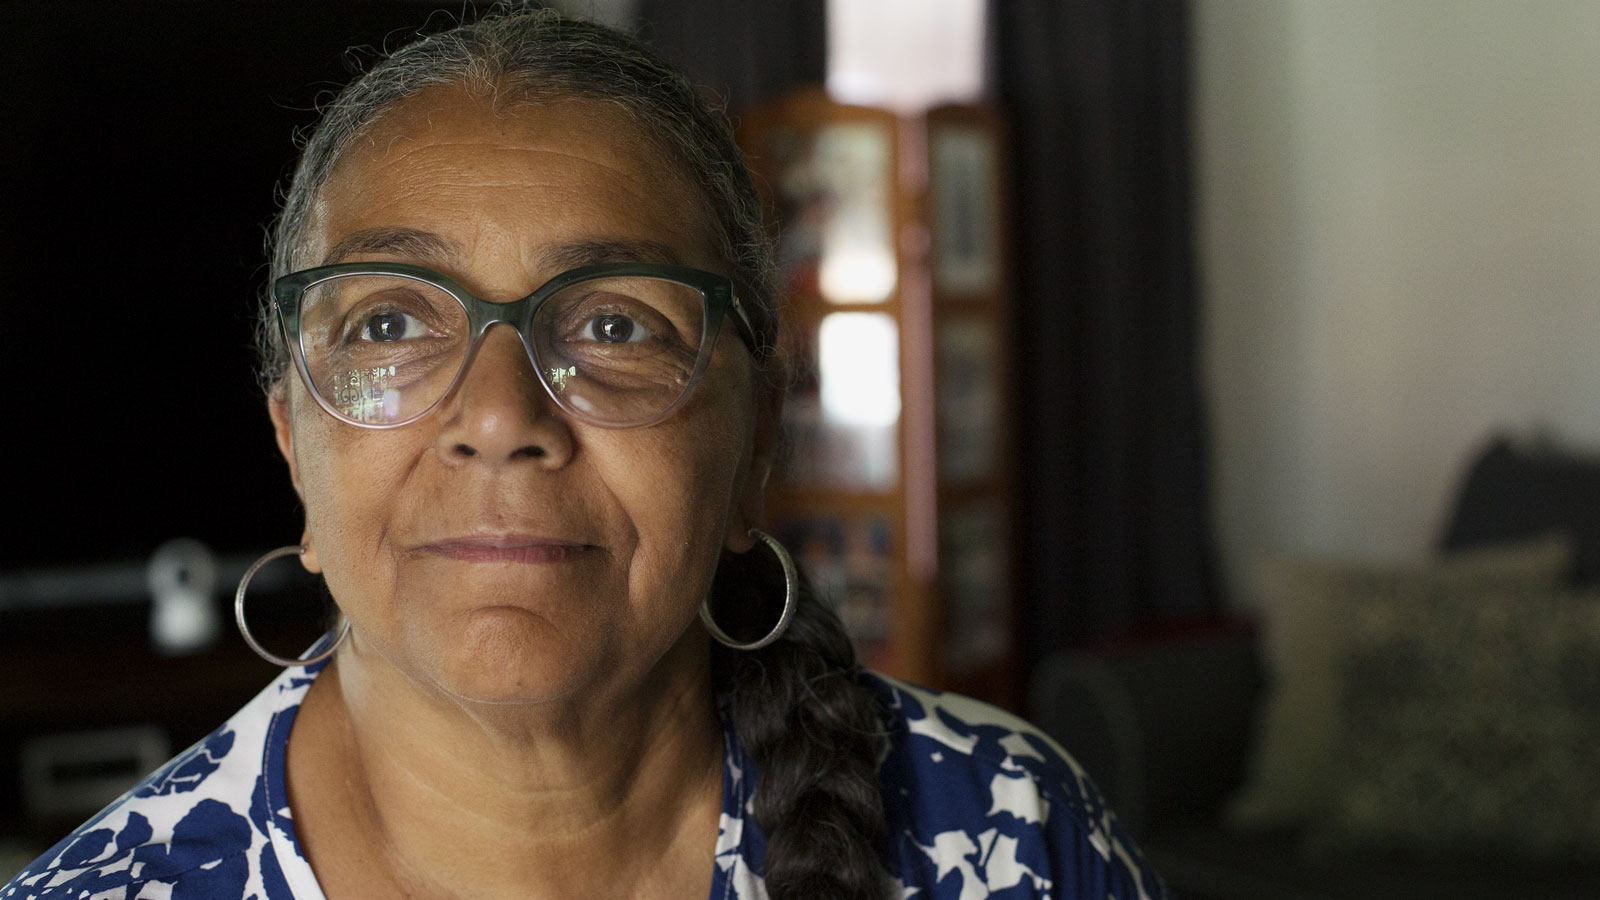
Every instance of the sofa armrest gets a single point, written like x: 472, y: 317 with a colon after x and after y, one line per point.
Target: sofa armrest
x: 1162, y: 724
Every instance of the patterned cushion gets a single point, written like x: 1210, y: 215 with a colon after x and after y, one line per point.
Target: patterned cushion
x: 1472, y: 724
x: 1303, y: 605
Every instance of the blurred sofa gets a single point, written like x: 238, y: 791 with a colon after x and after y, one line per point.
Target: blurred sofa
x: 1429, y: 731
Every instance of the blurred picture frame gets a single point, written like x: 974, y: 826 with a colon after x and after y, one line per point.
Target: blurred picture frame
x: 972, y: 567
x: 963, y: 203
x: 833, y: 193
x: 969, y: 398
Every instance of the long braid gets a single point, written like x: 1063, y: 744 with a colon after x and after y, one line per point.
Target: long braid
x: 815, y: 733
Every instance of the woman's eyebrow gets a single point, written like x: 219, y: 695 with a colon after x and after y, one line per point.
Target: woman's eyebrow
x: 408, y: 242
x: 584, y: 253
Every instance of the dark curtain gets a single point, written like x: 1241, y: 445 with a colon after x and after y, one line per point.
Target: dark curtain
x: 1114, y: 510
x: 748, y: 52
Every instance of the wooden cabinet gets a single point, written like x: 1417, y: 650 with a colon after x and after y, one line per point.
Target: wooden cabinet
x: 895, y: 490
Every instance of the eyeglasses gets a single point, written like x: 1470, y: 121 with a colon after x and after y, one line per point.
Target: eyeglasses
x: 618, y: 345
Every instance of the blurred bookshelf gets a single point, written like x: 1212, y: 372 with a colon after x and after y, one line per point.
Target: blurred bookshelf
x: 896, y: 491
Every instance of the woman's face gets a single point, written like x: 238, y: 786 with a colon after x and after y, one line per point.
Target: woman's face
x: 498, y: 550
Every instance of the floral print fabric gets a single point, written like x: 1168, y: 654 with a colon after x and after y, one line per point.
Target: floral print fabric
x: 979, y: 804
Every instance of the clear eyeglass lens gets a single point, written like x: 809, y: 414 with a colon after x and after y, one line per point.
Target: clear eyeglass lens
x: 383, y: 349
x: 620, y: 351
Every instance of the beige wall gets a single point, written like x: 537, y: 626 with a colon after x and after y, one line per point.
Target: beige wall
x: 1399, y: 233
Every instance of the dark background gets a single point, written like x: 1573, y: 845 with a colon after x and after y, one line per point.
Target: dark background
x: 144, y: 145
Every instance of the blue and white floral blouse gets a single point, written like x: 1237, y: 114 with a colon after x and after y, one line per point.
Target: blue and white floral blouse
x: 979, y: 804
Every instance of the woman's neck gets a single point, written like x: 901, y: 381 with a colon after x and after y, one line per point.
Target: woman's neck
x: 616, y: 794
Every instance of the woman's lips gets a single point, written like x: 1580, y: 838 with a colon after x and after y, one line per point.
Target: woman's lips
x: 507, y: 549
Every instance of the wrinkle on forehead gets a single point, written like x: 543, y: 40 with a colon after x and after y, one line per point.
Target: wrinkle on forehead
x: 455, y: 105
x: 468, y: 110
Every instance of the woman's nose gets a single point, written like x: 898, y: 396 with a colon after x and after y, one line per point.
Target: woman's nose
x: 501, y: 413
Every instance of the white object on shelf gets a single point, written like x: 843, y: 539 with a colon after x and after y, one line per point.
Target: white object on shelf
x: 182, y: 577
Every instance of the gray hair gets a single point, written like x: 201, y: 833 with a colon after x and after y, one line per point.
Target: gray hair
x: 537, y: 54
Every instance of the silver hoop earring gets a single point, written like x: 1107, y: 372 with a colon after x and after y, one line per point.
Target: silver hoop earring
x: 791, y: 585
x: 244, y: 629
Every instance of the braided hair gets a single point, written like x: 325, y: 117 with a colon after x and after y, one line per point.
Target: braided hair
x: 810, y: 725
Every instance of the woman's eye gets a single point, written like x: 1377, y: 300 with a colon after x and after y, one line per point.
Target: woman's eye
x: 392, y: 325
x: 614, y: 328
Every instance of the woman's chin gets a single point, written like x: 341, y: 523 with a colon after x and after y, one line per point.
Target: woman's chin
x: 509, y: 656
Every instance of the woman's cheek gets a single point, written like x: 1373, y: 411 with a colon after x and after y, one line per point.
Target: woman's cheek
x: 348, y: 495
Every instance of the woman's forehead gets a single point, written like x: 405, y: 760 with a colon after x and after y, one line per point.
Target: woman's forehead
x: 454, y: 156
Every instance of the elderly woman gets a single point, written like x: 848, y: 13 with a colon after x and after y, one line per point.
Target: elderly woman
x: 519, y: 359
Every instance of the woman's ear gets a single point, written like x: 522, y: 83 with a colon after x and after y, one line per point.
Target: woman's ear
x: 278, y: 410
x: 748, y: 511
x: 308, y: 559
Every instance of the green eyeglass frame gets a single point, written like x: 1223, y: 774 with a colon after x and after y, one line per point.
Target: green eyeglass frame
x: 717, y: 290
